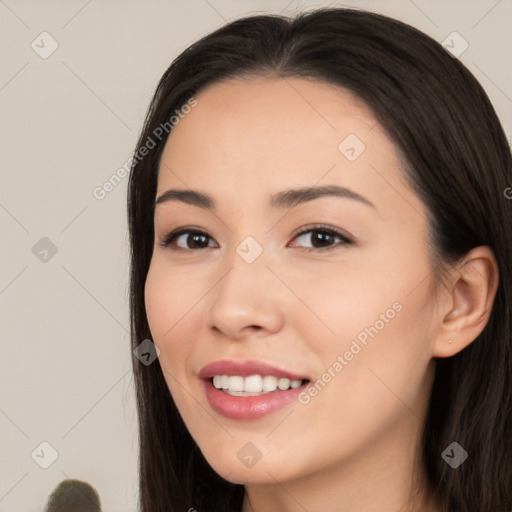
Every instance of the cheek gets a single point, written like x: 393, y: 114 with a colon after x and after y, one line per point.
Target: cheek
x: 376, y: 384
x: 169, y: 298
x: 166, y: 316
x: 376, y: 314
x: 336, y: 304
x: 157, y: 303
x: 384, y: 338
x: 164, y: 309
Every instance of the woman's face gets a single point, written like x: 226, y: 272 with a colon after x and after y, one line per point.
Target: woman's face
x: 262, y: 284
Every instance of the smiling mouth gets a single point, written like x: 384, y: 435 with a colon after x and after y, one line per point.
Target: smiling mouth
x: 254, y: 385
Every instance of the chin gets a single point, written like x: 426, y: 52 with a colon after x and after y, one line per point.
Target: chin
x: 249, y: 476
x: 260, y: 472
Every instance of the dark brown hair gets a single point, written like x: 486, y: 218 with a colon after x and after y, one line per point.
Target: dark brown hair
x: 456, y: 158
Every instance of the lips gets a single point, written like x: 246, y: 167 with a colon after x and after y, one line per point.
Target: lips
x: 249, y: 407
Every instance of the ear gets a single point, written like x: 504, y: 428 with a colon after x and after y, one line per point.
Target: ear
x: 467, y: 302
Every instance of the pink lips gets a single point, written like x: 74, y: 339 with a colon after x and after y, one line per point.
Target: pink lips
x: 247, y: 407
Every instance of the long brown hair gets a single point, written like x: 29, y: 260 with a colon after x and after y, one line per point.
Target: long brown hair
x: 457, y: 161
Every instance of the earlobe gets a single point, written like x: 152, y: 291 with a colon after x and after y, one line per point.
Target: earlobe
x: 472, y: 290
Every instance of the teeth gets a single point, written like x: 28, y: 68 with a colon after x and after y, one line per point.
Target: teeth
x: 236, y: 383
x: 253, y: 384
x: 269, y: 383
x: 283, y: 384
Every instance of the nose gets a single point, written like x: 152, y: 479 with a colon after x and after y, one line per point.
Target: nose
x: 246, y: 300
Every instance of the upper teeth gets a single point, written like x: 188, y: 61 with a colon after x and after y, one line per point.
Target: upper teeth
x: 254, y: 383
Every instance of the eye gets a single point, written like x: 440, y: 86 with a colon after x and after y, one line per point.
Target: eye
x: 189, y: 238
x: 322, y: 238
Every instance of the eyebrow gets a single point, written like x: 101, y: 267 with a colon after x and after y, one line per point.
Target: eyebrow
x: 285, y: 199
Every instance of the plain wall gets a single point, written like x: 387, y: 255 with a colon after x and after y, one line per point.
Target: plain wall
x: 68, y: 123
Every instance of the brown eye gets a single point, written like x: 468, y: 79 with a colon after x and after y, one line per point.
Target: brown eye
x: 322, y: 238
x: 187, y: 239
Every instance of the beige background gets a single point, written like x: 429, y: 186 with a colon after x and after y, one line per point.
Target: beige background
x: 68, y: 122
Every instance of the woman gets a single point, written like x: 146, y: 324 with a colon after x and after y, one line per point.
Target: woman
x: 321, y: 247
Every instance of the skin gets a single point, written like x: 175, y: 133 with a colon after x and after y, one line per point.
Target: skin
x: 353, y: 446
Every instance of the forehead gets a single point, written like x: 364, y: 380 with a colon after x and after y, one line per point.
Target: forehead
x: 253, y: 136
x: 272, y: 115
x: 297, y: 96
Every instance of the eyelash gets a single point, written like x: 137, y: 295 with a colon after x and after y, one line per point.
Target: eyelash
x: 169, y: 239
